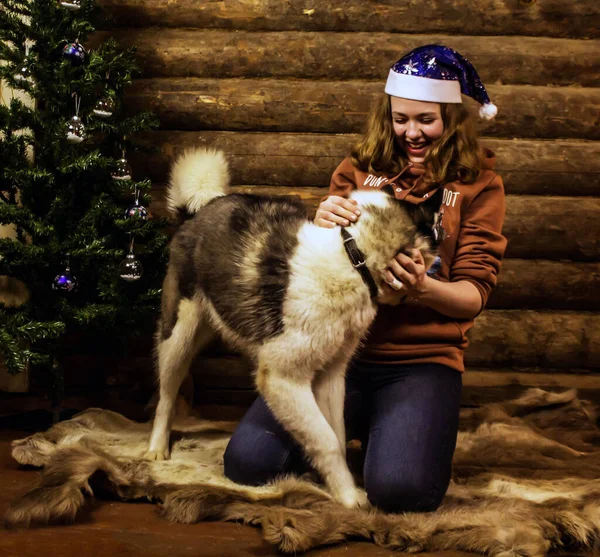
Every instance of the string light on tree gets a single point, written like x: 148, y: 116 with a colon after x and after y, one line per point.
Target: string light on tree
x: 76, y: 132
x: 130, y: 269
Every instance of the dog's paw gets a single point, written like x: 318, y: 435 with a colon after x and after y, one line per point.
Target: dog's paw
x: 353, y: 498
x: 157, y: 455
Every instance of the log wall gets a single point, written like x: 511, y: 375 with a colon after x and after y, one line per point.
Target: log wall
x: 283, y: 88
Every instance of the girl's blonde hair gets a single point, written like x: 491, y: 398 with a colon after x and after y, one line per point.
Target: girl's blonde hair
x: 455, y: 155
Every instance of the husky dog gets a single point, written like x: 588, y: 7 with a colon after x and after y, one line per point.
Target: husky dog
x: 255, y: 270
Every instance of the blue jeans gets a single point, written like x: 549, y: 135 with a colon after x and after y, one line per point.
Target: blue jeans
x: 405, y: 416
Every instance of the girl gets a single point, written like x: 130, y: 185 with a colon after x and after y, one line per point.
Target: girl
x: 403, y: 391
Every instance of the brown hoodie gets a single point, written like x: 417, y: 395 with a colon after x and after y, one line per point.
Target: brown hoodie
x: 473, y: 215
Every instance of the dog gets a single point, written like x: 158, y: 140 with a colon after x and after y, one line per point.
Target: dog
x: 288, y: 293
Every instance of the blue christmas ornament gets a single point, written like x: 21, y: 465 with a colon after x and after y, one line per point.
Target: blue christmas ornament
x: 436, y: 73
x: 65, y: 282
x: 75, y: 53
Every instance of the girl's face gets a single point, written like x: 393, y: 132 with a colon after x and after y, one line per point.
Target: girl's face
x: 417, y: 124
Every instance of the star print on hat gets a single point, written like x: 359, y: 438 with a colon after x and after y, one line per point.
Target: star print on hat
x: 436, y: 73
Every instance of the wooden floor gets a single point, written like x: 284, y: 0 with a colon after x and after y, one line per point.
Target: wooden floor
x: 114, y: 529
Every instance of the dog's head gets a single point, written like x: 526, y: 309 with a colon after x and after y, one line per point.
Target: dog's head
x: 398, y: 224
x: 427, y: 217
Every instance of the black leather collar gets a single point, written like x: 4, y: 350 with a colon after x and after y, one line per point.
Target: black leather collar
x: 357, y: 259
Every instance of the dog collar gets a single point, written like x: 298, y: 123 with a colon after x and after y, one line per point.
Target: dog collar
x: 357, y: 259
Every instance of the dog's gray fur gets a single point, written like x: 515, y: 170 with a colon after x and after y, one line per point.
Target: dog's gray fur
x: 256, y: 271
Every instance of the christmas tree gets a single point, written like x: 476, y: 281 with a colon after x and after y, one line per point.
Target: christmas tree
x: 90, y: 257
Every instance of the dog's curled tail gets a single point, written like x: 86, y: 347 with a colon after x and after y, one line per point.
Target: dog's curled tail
x: 197, y: 176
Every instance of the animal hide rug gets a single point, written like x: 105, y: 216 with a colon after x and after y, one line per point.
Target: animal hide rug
x: 526, y: 481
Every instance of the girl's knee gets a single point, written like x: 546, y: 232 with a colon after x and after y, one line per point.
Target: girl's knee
x: 249, y: 464
x: 395, y: 495
x: 242, y: 467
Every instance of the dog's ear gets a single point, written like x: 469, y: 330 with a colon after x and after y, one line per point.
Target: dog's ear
x: 426, y: 215
x: 389, y: 189
x: 425, y: 212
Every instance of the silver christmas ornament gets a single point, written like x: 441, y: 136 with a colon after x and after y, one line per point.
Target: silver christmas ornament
x: 130, y: 269
x: 76, y: 132
x: 122, y: 171
x: 104, y: 107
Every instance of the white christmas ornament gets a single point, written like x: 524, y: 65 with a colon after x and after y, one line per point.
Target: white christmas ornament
x: 76, y: 132
x: 130, y: 269
x: 104, y: 107
x: 122, y: 171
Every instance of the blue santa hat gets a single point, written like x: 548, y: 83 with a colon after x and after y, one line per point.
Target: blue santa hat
x: 439, y: 74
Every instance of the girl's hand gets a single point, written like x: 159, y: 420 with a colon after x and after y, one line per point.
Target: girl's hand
x: 336, y: 210
x: 408, y: 273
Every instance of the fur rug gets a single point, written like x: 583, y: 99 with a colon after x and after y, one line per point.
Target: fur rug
x: 526, y: 481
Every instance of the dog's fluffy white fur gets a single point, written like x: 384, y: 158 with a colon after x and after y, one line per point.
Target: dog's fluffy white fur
x: 196, y: 177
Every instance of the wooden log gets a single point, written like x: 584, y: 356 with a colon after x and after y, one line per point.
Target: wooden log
x: 541, y: 284
x: 287, y: 159
x: 553, y: 228
x: 342, y: 106
x: 463, y: 17
x: 333, y: 56
x: 309, y: 195
x: 542, y: 340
